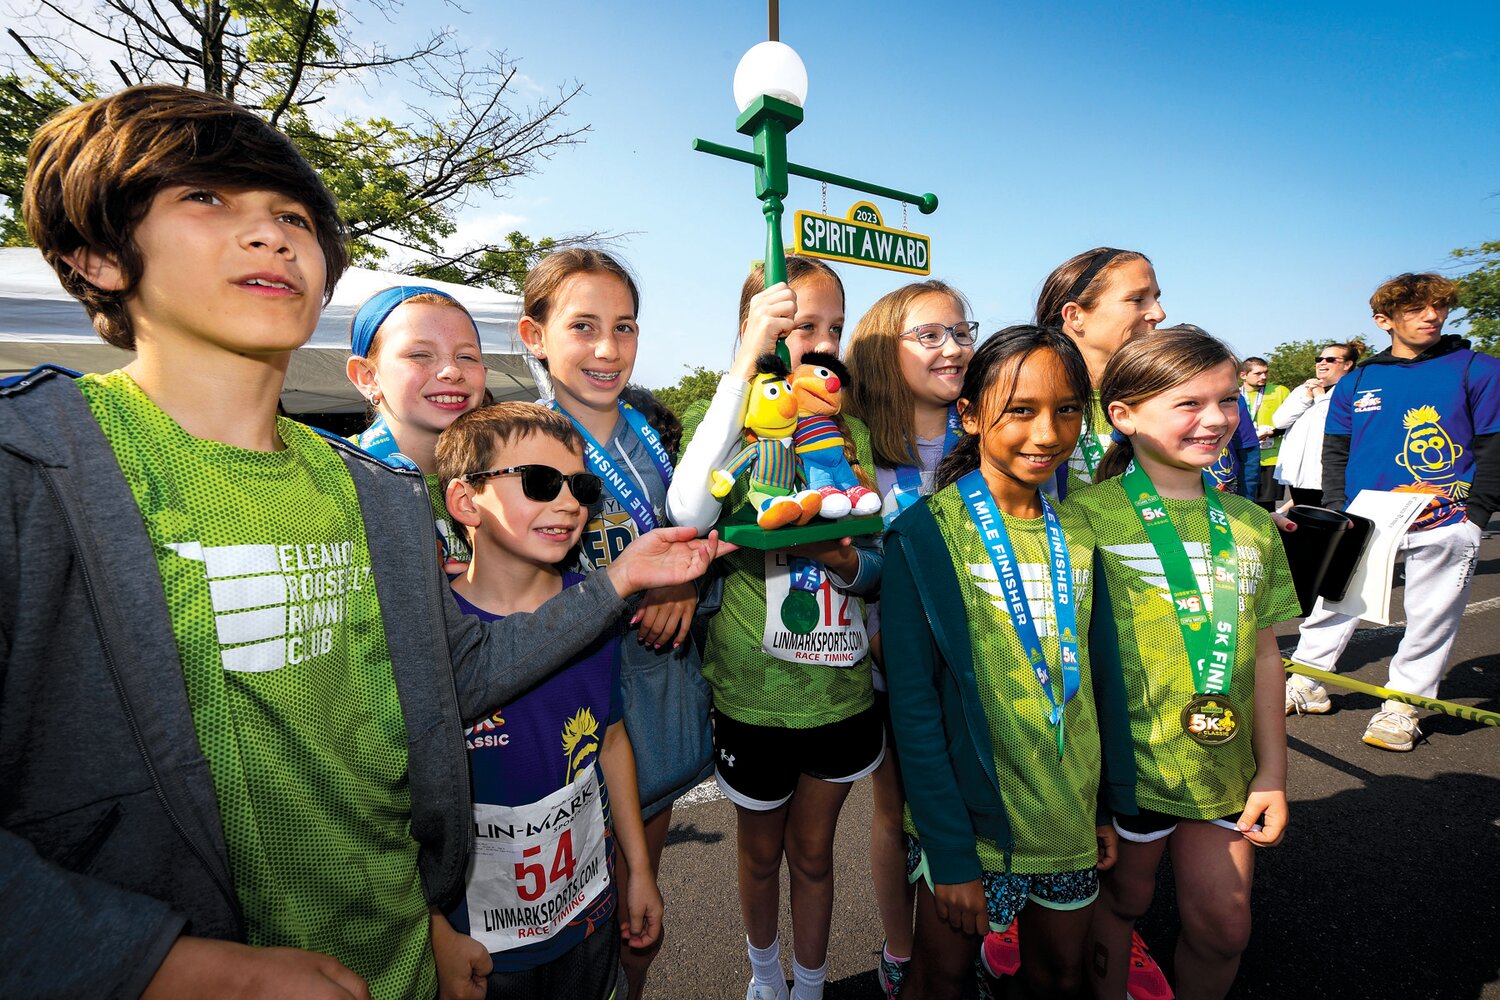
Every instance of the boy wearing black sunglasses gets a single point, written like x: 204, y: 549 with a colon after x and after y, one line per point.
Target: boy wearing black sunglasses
x: 541, y: 895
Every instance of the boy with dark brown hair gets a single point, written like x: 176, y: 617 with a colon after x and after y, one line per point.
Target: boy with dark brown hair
x: 233, y: 674
x: 553, y: 772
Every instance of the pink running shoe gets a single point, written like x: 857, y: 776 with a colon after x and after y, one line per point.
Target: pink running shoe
x: 1145, y: 981
x: 1001, y: 953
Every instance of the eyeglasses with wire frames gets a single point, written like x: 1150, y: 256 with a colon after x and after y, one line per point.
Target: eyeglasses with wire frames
x: 935, y: 335
x: 543, y: 483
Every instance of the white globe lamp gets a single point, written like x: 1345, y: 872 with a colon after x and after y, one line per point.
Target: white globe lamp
x: 773, y: 69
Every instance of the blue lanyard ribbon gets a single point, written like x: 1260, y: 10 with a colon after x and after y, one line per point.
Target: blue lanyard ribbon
x: 909, y: 477
x: 378, y: 441
x: 986, y: 516
x: 631, y: 495
x: 643, y: 430
x: 806, y: 574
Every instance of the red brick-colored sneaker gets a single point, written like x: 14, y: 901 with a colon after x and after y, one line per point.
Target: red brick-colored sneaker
x: 1145, y: 981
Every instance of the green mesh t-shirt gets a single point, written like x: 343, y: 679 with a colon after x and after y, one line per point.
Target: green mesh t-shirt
x: 456, y: 551
x: 1051, y: 804
x: 1099, y: 426
x: 749, y: 684
x: 274, y: 611
x: 1174, y: 774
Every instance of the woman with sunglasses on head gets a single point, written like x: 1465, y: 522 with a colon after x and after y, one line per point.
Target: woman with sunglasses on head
x: 907, y: 358
x: 1101, y: 298
x: 579, y: 321
x: 1302, y: 415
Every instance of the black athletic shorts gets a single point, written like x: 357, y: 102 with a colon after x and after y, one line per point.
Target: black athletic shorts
x: 1149, y: 825
x: 758, y: 766
x: 589, y: 971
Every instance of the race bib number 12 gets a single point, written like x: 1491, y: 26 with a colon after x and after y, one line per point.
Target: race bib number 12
x: 824, y: 626
x: 536, y: 866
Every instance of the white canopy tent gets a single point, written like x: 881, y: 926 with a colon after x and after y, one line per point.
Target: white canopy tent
x: 41, y: 323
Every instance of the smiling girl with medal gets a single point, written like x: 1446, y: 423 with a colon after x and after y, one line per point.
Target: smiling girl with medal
x: 1195, y: 580
x: 907, y: 355
x: 786, y: 654
x: 416, y: 359
x: 987, y: 583
x: 579, y: 320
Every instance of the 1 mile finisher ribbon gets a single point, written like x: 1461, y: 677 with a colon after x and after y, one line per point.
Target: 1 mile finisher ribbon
x: 986, y: 516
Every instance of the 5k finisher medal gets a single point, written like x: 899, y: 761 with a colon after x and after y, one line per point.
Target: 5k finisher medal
x: 1209, y: 718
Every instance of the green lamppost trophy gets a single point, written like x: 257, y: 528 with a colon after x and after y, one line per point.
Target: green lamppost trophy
x: 770, y: 88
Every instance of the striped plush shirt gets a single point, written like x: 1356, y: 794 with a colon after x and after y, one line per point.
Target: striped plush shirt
x: 772, y: 460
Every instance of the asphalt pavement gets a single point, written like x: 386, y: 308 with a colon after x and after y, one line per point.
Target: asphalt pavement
x: 1387, y: 886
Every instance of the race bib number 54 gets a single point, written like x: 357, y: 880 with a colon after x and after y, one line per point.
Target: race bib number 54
x: 536, y: 866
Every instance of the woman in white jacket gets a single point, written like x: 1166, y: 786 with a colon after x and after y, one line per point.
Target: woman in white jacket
x: 1302, y: 415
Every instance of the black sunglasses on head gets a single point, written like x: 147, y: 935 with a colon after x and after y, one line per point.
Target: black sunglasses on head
x: 543, y: 483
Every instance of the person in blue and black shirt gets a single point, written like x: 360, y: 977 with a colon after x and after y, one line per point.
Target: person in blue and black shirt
x: 1422, y: 417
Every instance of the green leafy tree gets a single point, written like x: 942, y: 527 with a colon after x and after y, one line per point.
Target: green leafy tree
x: 1291, y: 364
x: 24, y: 105
x: 698, y: 383
x: 456, y: 128
x: 1479, y: 296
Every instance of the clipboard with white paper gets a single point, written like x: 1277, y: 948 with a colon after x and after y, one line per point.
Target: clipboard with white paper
x: 1369, y: 593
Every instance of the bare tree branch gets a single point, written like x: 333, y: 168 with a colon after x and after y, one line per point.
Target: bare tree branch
x: 291, y: 87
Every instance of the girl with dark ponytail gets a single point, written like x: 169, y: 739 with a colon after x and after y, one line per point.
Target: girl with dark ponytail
x: 1003, y: 810
x: 1101, y: 298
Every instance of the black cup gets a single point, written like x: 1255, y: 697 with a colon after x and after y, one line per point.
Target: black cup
x: 1310, y: 548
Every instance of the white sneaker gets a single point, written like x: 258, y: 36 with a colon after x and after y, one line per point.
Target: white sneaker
x: 1394, y: 727
x: 760, y: 991
x: 1306, y: 697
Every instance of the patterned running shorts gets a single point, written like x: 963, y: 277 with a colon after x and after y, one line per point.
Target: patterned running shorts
x: 1006, y: 895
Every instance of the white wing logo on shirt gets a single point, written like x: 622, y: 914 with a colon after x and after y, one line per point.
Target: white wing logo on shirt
x: 276, y: 604
x: 1036, y: 581
x: 1141, y: 557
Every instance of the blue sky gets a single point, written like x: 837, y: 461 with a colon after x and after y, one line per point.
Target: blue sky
x: 1276, y: 160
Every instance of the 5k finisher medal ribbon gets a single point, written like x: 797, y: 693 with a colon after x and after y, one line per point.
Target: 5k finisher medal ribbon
x: 986, y: 516
x: 1209, y: 718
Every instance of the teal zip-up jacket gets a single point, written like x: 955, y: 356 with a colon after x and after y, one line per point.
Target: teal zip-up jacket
x: 942, y: 734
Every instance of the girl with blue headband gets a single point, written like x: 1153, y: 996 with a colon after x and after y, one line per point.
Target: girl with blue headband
x: 416, y: 359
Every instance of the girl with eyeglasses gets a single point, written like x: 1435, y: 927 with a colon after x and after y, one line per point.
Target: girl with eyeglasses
x: 907, y: 360
x: 787, y: 652
x: 579, y: 321
x: 417, y: 361
x: 1302, y: 416
x: 1101, y: 298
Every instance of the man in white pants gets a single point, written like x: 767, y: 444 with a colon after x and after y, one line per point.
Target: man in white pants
x: 1421, y: 416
